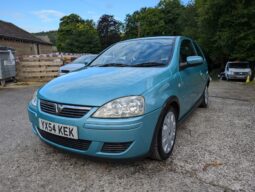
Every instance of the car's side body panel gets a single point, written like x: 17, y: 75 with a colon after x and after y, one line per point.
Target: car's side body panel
x: 187, y: 84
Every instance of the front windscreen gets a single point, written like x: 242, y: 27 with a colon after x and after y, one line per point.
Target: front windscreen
x: 239, y: 65
x: 142, y: 52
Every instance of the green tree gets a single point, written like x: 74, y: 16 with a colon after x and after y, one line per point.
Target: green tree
x: 172, y: 11
x: 146, y: 22
x: 109, y: 30
x: 188, y: 21
x: 226, y: 29
x: 77, y: 35
x: 132, y: 25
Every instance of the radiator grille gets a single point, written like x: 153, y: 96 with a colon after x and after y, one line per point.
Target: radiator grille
x: 63, y: 110
x: 241, y: 73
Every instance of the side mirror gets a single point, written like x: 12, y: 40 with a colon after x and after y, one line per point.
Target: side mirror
x: 194, y: 60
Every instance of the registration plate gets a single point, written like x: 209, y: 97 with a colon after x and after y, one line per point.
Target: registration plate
x: 58, y: 129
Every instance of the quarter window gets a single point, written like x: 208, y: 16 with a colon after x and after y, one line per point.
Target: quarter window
x: 199, y: 52
x: 186, y: 50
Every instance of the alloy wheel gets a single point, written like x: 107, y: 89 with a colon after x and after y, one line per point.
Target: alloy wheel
x: 168, y: 131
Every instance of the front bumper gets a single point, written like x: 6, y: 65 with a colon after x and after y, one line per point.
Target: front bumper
x: 137, y: 131
x: 237, y: 76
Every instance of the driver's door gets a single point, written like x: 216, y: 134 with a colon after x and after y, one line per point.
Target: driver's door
x: 188, y: 75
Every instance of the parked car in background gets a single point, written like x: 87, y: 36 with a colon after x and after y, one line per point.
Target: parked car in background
x: 77, y: 64
x: 237, y: 70
x: 128, y: 101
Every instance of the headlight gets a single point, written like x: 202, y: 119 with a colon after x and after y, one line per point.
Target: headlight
x: 249, y: 73
x: 34, y: 99
x: 231, y: 72
x: 123, y: 107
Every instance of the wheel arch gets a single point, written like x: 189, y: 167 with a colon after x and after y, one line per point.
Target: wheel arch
x: 172, y: 101
x: 208, y: 82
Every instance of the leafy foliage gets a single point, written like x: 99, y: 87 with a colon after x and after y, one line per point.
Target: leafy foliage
x: 109, y: 30
x: 77, y: 35
x: 227, y: 29
x: 146, y: 22
x: 172, y: 11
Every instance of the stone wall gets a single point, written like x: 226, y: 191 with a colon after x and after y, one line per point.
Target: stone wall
x: 24, y: 48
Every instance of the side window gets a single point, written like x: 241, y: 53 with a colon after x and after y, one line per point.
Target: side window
x: 186, y: 50
x: 199, y: 52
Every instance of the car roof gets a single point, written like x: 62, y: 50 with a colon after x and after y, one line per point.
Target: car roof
x: 238, y: 62
x: 152, y: 38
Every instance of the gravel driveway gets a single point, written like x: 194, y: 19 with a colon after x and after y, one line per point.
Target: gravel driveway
x: 215, y: 151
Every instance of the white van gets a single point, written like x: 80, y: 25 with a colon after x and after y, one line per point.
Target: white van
x: 237, y: 70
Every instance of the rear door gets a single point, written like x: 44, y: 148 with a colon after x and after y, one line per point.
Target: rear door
x: 203, y: 72
x: 188, y: 75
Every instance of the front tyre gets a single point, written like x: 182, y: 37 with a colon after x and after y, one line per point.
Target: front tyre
x: 205, y: 98
x: 164, y: 138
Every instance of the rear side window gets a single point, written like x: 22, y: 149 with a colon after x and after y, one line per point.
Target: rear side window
x: 186, y: 50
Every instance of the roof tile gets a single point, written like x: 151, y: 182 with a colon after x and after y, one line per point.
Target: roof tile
x: 10, y: 30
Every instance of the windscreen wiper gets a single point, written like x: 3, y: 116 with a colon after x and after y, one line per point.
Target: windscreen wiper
x: 149, y: 64
x: 113, y: 65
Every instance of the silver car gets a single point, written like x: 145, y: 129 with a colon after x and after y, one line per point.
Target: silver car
x: 77, y: 64
x: 237, y: 70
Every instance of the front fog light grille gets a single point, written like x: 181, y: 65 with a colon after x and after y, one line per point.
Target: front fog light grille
x: 115, y: 147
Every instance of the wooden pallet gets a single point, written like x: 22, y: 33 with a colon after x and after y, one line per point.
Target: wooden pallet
x: 34, y: 69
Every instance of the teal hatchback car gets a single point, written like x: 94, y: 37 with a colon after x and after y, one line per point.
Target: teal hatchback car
x: 127, y: 102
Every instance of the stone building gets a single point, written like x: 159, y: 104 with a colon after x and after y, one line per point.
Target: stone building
x: 22, y: 41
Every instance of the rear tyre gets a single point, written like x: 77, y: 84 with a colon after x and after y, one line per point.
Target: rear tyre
x: 165, y: 135
x: 205, y: 98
